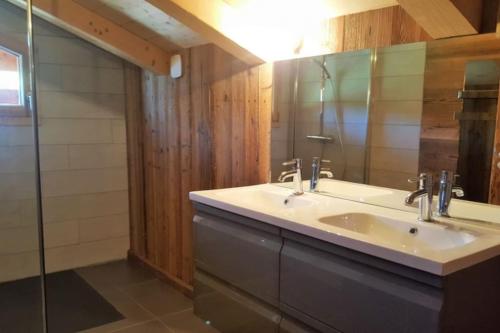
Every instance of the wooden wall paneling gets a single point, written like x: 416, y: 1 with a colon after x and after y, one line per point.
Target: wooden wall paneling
x: 186, y: 171
x: 208, y: 129
x: 405, y: 29
x: 368, y: 29
x: 443, y: 78
x: 149, y: 93
x: 135, y: 156
x: 377, y: 28
x: 265, y: 111
x: 495, y: 168
x: 220, y: 102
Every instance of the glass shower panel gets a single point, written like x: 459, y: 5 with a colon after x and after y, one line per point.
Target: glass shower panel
x: 21, y: 272
x: 331, y: 112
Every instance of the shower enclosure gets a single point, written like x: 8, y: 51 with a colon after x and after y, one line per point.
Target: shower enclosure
x: 63, y: 182
x: 327, y: 107
x: 20, y: 206
x: 358, y: 110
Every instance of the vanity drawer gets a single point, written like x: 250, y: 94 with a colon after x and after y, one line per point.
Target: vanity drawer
x: 239, y: 254
x: 351, y: 297
x: 230, y: 310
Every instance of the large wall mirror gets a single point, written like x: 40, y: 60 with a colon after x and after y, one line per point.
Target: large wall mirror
x: 382, y: 116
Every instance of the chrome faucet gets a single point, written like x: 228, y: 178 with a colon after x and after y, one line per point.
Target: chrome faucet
x: 317, y: 171
x: 296, y: 173
x: 424, y: 194
x: 447, y: 188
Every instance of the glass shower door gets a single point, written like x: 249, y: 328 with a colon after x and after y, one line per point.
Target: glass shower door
x: 21, y: 237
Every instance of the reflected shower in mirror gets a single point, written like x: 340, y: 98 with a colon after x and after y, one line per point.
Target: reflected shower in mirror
x: 359, y: 110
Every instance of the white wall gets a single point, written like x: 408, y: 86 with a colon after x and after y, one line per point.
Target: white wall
x: 83, y: 151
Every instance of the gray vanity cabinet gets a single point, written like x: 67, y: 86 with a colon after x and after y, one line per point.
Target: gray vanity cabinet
x: 240, y: 251
x: 346, y: 296
x: 252, y: 277
x: 230, y: 310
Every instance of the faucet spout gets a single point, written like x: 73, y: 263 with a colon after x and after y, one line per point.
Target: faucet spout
x: 424, y: 195
x: 285, y: 175
x: 296, y: 173
x: 410, y: 198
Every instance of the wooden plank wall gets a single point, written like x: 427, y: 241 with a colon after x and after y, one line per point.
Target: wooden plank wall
x: 208, y: 129
x: 444, y: 77
x: 376, y: 28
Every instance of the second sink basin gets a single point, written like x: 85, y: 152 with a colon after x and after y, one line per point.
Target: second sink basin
x: 410, y: 236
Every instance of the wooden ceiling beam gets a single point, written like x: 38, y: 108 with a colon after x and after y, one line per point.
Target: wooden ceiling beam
x: 96, y: 29
x: 203, y: 17
x: 445, y: 18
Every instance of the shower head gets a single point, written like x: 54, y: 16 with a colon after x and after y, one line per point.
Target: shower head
x: 321, y: 64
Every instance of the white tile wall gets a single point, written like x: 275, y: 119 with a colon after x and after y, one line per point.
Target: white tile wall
x: 81, y: 104
x: 396, y: 115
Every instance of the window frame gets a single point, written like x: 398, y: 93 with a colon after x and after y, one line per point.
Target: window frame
x: 10, y: 45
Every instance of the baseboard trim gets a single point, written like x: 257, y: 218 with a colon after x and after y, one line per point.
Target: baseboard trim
x: 177, y: 283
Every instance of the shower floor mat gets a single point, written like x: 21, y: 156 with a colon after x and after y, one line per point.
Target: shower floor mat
x: 72, y: 305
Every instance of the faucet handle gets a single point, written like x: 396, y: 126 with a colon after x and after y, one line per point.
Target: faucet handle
x: 458, y: 191
x: 424, y: 180
x: 419, y: 178
x: 296, y: 163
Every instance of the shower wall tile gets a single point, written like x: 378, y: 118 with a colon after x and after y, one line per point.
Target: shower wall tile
x: 85, y: 206
x: 54, y: 157
x: 19, y: 265
x: 97, y: 156
x: 75, y: 131
x: 400, y: 62
x: 397, y: 112
x: 104, y: 227
x: 119, y: 131
x: 396, y: 115
x: 81, y: 105
x: 396, y: 136
x: 49, y: 77
x: 398, y: 88
x: 70, y: 182
x: 85, y: 254
x: 56, y: 104
x: 61, y: 234
x: 16, y: 136
x: 399, y: 160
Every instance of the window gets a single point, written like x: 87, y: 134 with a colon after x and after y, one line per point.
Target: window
x: 11, y: 83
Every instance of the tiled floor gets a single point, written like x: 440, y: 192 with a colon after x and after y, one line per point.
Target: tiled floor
x: 148, y: 304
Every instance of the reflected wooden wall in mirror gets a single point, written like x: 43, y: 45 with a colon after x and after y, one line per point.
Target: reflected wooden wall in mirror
x: 384, y: 115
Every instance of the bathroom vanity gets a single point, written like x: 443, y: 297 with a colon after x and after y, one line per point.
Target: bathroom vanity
x: 270, y: 262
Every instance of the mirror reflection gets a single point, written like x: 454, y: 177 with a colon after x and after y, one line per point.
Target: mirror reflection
x: 384, y: 116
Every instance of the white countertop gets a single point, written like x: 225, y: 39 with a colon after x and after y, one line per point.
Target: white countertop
x: 304, y: 218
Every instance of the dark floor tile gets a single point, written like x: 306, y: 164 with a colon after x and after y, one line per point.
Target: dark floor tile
x: 186, y: 322
x: 115, y: 274
x: 158, y: 297
x: 155, y: 326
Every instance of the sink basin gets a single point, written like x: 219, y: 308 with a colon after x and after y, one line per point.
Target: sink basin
x: 410, y: 236
x: 268, y: 199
